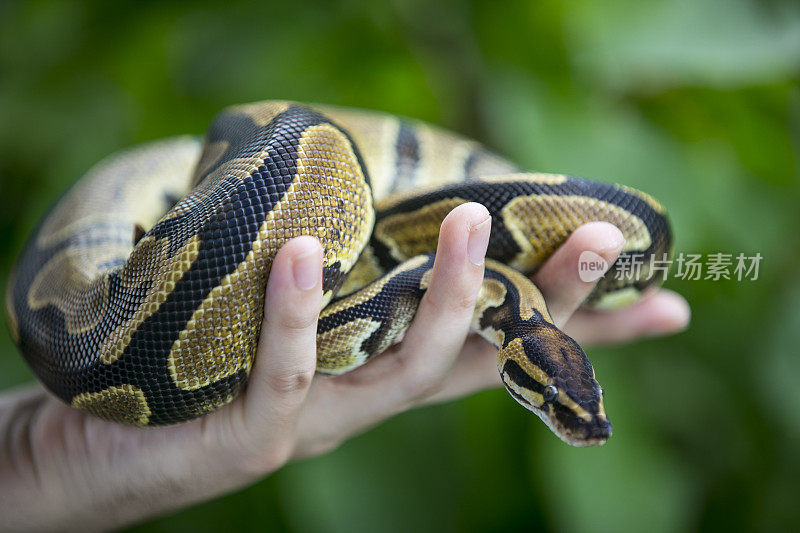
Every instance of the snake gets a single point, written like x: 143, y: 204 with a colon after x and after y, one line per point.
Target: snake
x: 139, y: 297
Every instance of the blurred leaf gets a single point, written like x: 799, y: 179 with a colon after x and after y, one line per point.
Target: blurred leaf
x: 630, y: 45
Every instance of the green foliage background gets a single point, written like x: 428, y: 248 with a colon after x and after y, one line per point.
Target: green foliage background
x: 696, y: 102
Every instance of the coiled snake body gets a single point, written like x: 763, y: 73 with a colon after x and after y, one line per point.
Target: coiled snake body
x: 139, y: 298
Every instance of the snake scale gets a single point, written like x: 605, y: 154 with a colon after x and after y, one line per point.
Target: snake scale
x: 139, y: 297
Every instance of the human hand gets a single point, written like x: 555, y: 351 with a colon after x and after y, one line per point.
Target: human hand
x: 63, y: 469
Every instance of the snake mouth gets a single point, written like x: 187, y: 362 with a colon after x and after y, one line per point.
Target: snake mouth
x: 593, y: 433
x: 582, y: 435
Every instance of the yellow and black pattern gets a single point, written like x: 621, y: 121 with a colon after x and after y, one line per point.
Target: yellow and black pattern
x: 139, y: 298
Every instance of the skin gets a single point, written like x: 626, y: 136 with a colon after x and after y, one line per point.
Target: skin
x: 61, y: 469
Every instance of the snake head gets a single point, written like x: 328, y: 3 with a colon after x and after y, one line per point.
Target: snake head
x: 548, y: 373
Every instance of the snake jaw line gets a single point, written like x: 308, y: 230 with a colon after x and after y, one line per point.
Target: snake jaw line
x: 592, y: 433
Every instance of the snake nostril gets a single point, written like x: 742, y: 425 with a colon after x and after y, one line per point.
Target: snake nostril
x: 600, y: 431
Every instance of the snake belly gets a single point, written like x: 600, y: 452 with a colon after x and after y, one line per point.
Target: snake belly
x: 139, y: 297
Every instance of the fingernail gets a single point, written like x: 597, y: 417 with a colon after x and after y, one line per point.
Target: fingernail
x: 478, y: 241
x: 306, y: 269
x: 613, y: 245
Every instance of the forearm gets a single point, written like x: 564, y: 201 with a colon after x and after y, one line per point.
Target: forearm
x: 62, y: 470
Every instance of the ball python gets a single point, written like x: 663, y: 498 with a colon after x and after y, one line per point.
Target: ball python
x: 139, y: 297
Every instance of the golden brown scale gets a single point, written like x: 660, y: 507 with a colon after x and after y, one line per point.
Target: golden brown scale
x: 340, y: 349
x: 124, y: 403
x: 416, y: 232
x: 229, y: 319
x: 149, y: 264
x: 540, y: 223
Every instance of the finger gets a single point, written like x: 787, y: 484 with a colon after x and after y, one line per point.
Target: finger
x: 388, y: 384
x: 443, y: 318
x: 559, y: 278
x: 661, y: 313
x: 286, y: 354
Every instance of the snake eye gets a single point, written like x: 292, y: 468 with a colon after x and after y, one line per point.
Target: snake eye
x: 550, y: 393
